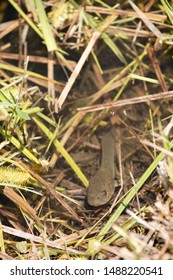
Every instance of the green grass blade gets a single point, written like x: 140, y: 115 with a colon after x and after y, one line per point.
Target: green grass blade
x: 45, y: 27
x: 18, y: 145
x: 62, y: 151
x: 25, y: 17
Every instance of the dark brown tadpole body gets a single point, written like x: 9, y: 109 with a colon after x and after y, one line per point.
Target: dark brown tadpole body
x: 101, y: 185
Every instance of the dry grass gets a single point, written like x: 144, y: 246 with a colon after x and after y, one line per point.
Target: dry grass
x: 68, y: 73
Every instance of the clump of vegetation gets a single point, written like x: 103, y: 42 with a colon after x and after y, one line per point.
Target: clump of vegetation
x: 70, y: 70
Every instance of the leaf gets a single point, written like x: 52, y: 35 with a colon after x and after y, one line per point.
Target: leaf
x: 21, y: 114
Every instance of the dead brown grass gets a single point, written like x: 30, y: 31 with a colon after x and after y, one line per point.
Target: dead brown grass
x: 63, y: 83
